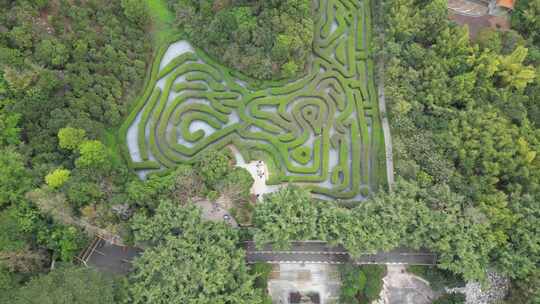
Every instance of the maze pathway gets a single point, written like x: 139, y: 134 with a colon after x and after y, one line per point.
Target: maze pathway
x: 321, y: 131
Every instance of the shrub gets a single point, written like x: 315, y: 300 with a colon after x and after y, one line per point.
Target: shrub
x: 71, y: 138
x: 353, y: 282
x: 57, y: 178
x: 93, y: 156
x: 213, y: 165
x: 374, y: 283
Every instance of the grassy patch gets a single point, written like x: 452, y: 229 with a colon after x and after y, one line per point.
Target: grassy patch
x: 162, y: 20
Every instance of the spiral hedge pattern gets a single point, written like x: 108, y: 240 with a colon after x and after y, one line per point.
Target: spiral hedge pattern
x: 322, y: 130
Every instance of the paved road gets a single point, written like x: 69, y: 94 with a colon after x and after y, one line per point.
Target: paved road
x: 320, y: 252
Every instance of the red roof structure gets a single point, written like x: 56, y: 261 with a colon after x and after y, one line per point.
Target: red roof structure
x: 509, y: 4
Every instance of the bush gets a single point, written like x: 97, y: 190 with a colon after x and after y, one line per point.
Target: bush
x: 374, y: 283
x: 71, y: 138
x: 361, y: 284
x: 353, y: 282
x: 81, y: 193
x: 93, y: 156
x: 213, y: 165
x: 438, y: 278
x: 57, y: 178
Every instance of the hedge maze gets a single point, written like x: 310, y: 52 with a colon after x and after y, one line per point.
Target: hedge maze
x: 322, y: 131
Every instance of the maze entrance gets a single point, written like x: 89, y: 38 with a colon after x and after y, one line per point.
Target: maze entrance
x: 321, y: 131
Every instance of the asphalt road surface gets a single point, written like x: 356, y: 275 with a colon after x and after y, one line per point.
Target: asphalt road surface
x: 320, y: 252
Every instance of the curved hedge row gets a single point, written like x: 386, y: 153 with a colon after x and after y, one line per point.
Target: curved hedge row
x: 320, y: 130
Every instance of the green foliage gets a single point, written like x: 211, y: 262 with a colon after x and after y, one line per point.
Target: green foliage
x: 463, y: 118
x: 93, y: 156
x: 263, y: 39
x: 190, y: 261
x: 236, y: 184
x: 81, y: 192
x: 62, y: 70
x: 57, y: 178
x: 182, y: 184
x: 409, y: 216
x: 9, y: 130
x: 512, y: 71
x: 14, y: 177
x: 361, y: 284
x: 136, y: 11
x: 67, y: 285
x: 65, y: 241
x: 526, y: 19
x: 213, y: 165
x: 71, y: 138
x: 526, y: 290
x: 374, y: 283
x: 17, y: 253
x: 292, y: 215
x: 262, y: 272
x: 353, y: 282
x: 11, y: 238
x: 8, y: 286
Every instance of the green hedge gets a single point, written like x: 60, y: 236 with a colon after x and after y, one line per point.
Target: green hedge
x: 327, y: 109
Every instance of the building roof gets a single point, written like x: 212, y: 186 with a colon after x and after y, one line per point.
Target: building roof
x: 506, y: 3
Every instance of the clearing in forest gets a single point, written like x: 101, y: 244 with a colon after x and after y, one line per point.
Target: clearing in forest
x: 321, y: 131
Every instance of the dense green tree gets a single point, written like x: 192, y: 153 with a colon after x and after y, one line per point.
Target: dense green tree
x: 14, y: 177
x: 71, y: 138
x: 16, y: 254
x: 57, y: 178
x: 190, y: 261
x: 263, y: 39
x: 136, y: 11
x: 9, y: 130
x: 460, y: 115
x: 236, y: 184
x: 93, y: 156
x: 285, y: 216
x: 213, y: 165
x: 526, y: 19
x: 353, y: 282
x: 67, y: 285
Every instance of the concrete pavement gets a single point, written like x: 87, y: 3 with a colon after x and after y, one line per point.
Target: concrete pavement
x: 321, y: 253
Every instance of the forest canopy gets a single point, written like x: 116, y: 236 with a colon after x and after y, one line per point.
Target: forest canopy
x: 260, y: 38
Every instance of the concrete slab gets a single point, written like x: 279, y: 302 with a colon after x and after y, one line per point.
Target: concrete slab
x: 402, y: 287
x: 305, y: 279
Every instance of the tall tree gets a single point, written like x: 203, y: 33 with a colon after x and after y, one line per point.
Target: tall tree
x: 190, y: 261
x: 67, y: 285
